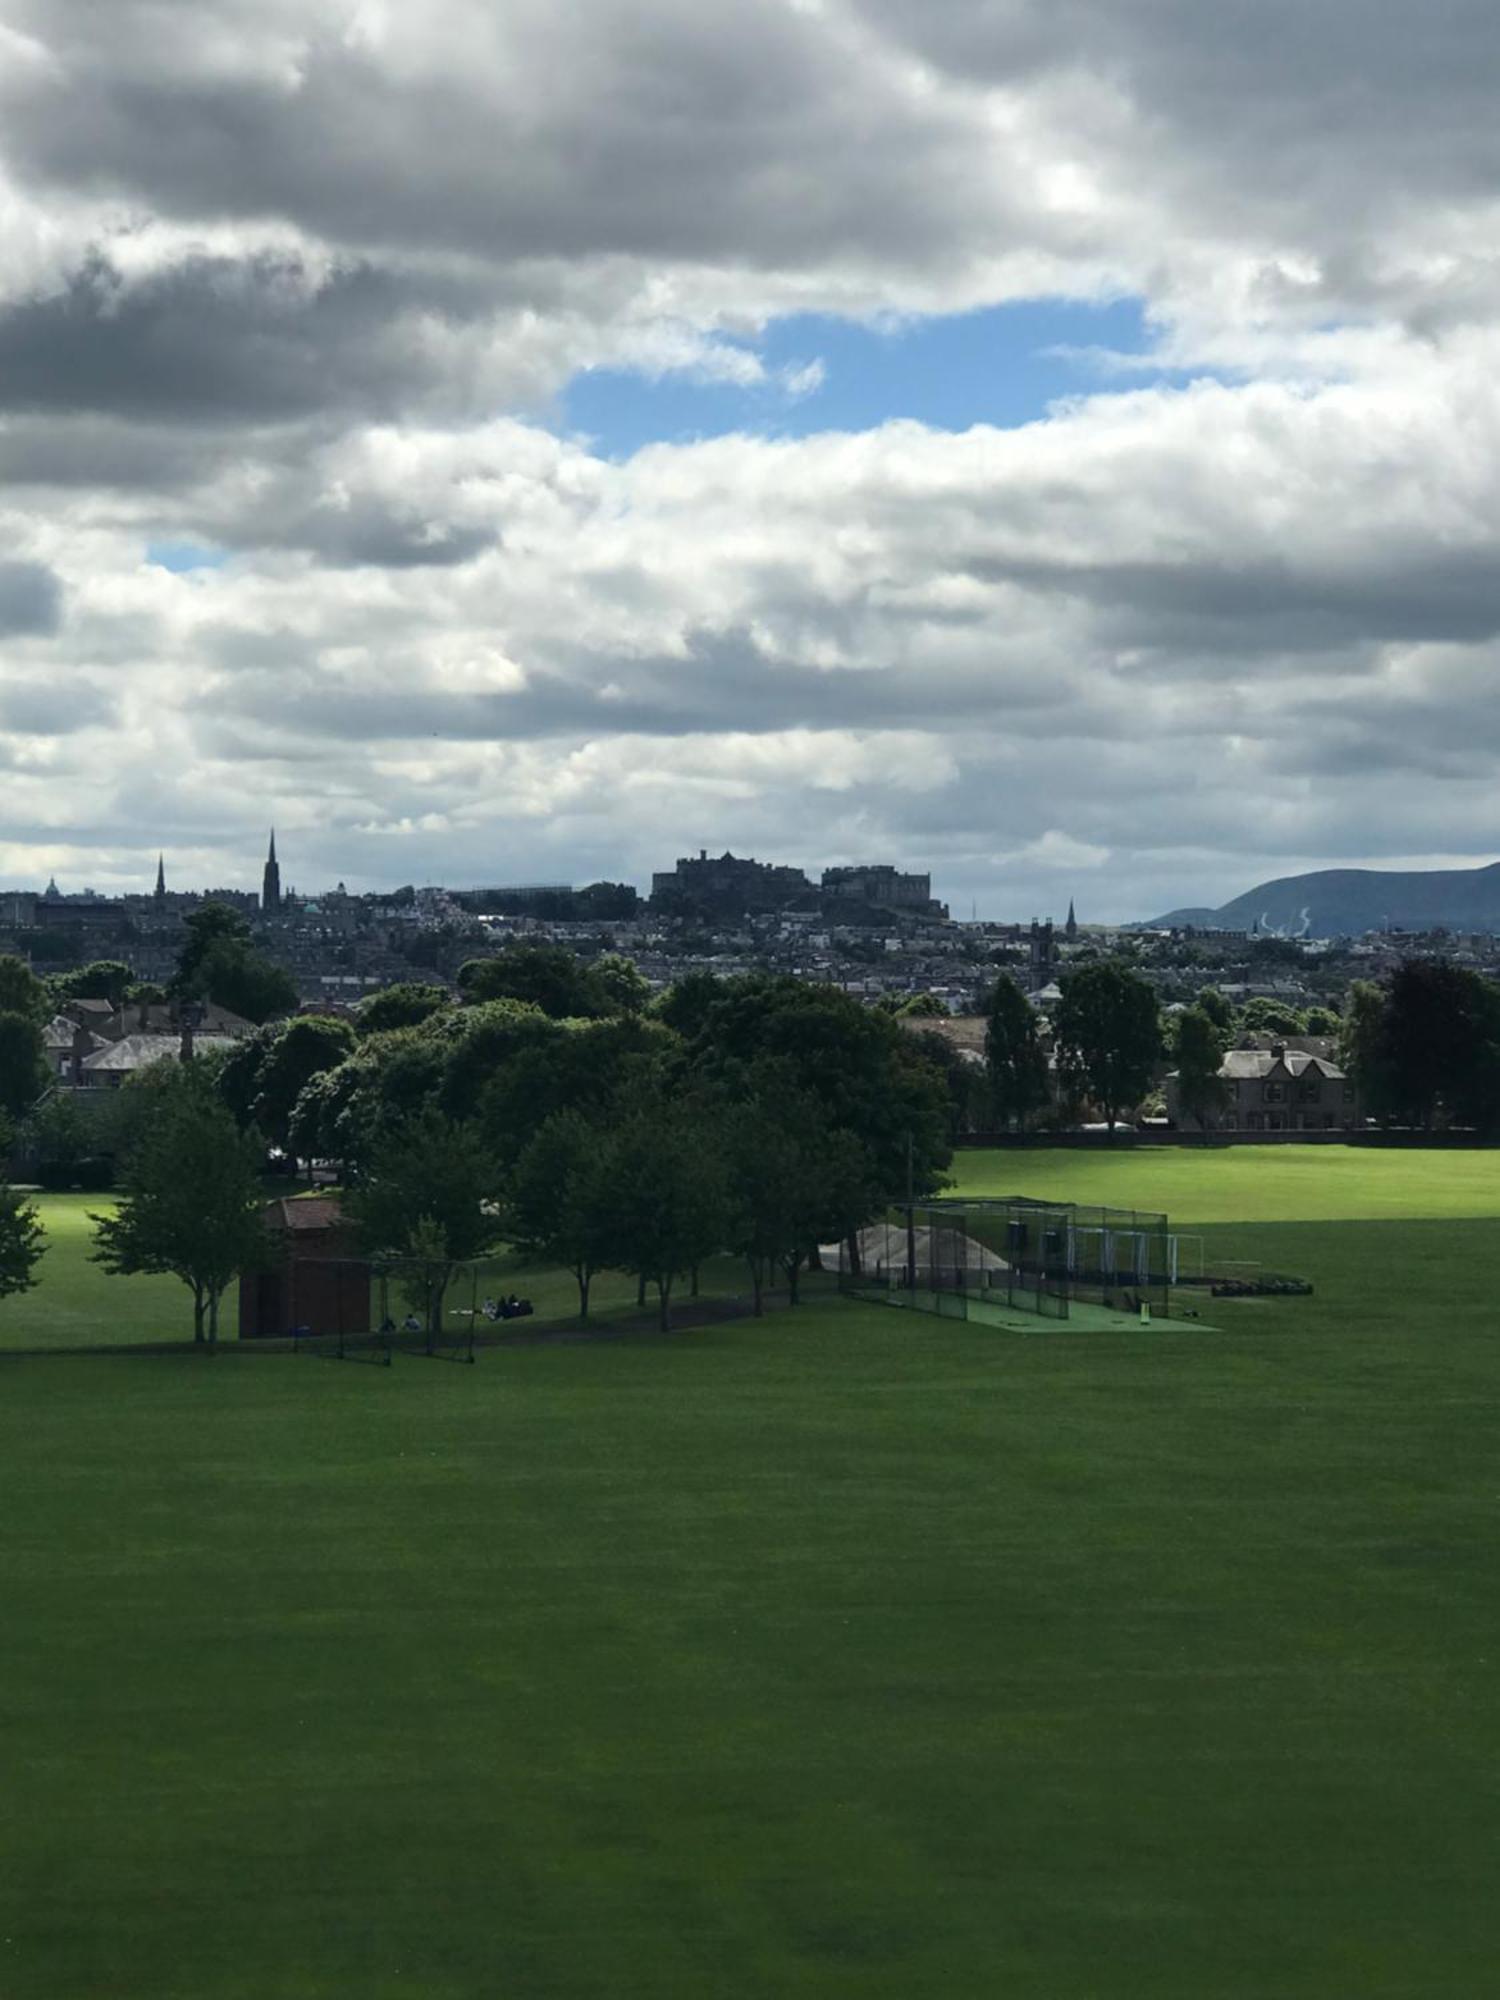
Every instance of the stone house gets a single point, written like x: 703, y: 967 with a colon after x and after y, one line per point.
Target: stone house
x: 1277, y: 1089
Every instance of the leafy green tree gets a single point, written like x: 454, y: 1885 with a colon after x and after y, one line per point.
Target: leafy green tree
x: 1439, y: 1045
x: 403, y: 1006
x: 428, y: 1200
x: 584, y: 1067
x: 1014, y: 1055
x: 1362, y: 1049
x: 299, y: 1050
x: 672, y: 1199
x: 205, y: 930
x: 191, y: 1202
x: 686, y: 1004
x: 549, y: 976
x: 1320, y: 1021
x: 344, y: 1113
x: 22, y: 1242
x: 477, y: 1042
x: 1264, y: 1016
x: 1201, y: 1090
x: 71, y: 1148
x: 619, y: 985
x: 103, y: 979
x: 1108, y: 1035
x: 870, y: 1076
x: 1211, y: 1002
x: 246, y: 983
x: 217, y: 962
x: 795, y: 1181
x: 23, y: 1068
x: 562, y: 1204
x: 21, y: 992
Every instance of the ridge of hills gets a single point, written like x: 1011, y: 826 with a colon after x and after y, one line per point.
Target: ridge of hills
x: 1343, y: 902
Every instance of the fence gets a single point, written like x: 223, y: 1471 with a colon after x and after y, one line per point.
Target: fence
x: 974, y: 1259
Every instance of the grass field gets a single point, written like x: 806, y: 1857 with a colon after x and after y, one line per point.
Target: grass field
x: 849, y: 1653
x: 1245, y: 1183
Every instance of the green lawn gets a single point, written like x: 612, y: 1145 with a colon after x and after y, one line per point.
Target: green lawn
x: 1245, y: 1183
x: 849, y: 1653
x: 76, y: 1303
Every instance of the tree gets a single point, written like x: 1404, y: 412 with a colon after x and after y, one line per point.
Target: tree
x: 794, y: 1182
x: 584, y: 1067
x: 1014, y: 1055
x: 548, y: 975
x: 427, y: 1201
x: 562, y: 1199
x: 246, y: 983
x: 1438, y: 1045
x: 71, y: 1149
x: 22, y: 1242
x: 870, y: 1075
x: 1264, y: 1016
x: 1362, y: 1048
x: 619, y: 985
x: 1200, y: 1056
x: 1211, y: 1002
x: 671, y: 1192
x: 103, y: 979
x: 1108, y: 1036
x: 406, y: 1005
x: 21, y: 992
x: 218, y: 963
x: 204, y: 929
x: 23, y: 1068
x: 191, y: 1201
x: 299, y: 1050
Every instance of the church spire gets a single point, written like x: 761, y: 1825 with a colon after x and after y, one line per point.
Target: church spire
x: 270, y: 883
x: 161, y: 877
x: 1070, y: 928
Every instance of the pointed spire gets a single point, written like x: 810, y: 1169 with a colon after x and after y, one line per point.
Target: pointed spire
x: 161, y: 875
x: 272, y: 855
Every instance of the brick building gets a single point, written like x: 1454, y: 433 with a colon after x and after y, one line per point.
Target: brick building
x: 317, y: 1277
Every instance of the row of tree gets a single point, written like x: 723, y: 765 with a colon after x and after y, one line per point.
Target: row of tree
x: 756, y: 1117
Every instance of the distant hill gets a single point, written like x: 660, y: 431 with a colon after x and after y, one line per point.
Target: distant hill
x: 1342, y: 902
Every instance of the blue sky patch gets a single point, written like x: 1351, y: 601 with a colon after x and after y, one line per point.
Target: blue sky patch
x: 1003, y: 365
x: 181, y: 556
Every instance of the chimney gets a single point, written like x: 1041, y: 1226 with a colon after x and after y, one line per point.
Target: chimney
x: 81, y: 1041
x: 1278, y: 1050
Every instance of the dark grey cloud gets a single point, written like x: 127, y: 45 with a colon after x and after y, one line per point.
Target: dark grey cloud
x: 256, y: 339
x: 30, y: 599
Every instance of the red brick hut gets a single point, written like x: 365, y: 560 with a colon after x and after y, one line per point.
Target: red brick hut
x: 317, y: 1277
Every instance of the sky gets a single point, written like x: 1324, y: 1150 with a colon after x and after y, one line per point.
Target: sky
x: 1050, y: 443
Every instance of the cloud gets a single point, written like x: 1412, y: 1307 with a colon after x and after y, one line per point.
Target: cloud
x: 30, y: 599
x: 302, y: 285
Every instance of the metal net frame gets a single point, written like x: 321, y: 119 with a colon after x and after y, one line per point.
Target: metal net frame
x: 974, y: 1258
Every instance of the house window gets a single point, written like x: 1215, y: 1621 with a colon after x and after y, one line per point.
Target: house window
x: 1275, y: 1093
x: 1276, y: 1121
x: 1307, y: 1093
x: 1348, y: 1093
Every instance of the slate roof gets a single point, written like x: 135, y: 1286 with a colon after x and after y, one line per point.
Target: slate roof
x: 135, y: 1052
x: 1247, y: 1065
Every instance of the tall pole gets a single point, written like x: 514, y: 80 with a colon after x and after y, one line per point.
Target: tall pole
x: 911, y: 1223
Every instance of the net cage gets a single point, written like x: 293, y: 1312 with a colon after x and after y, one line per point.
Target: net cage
x: 969, y: 1258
